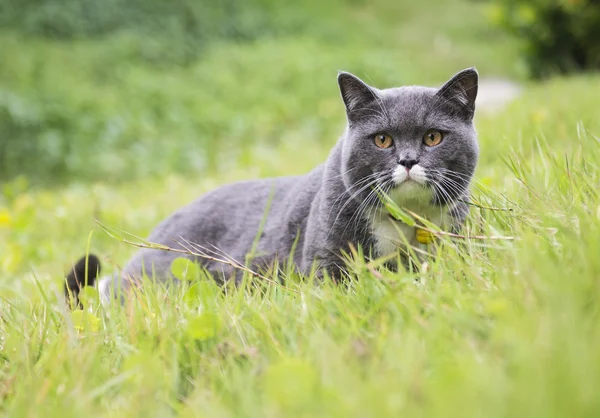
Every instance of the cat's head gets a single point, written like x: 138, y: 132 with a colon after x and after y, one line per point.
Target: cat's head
x: 411, y: 141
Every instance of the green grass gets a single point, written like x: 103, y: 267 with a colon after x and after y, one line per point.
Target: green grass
x: 492, y: 328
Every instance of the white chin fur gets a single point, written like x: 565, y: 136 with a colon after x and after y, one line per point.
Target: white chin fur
x: 412, y: 193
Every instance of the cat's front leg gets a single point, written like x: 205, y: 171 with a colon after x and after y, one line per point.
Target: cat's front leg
x: 325, y: 265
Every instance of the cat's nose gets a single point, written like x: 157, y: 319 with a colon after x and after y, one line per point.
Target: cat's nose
x: 408, y: 163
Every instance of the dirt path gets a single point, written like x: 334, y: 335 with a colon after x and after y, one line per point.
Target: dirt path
x: 495, y: 93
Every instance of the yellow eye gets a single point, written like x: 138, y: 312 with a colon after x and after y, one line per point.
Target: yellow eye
x: 432, y: 138
x: 383, y: 140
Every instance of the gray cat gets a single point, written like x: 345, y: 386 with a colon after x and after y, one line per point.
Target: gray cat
x: 415, y: 143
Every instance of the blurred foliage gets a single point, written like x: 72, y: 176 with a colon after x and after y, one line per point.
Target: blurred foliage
x: 559, y: 36
x: 172, y: 31
x: 54, y: 132
x: 117, y: 91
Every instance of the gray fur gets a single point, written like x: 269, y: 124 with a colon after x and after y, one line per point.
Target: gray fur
x: 324, y: 211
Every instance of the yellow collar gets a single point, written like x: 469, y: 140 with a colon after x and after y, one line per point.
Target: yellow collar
x: 423, y: 236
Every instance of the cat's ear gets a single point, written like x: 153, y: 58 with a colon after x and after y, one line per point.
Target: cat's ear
x: 462, y: 90
x: 356, y: 93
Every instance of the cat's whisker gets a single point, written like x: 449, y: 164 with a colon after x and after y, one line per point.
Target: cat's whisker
x: 373, y: 209
x: 474, y: 180
x: 450, y: 178
x: 439, y: 189
x: 354, y: 220
x: 343, y: 173
x: 453, y: 189
x: 351, y: 198
x: 459, y: 176
x: 371, y: 203
x: 356, y: 217
x: 349, y: 190
x: 363, y: 206
x: 462, y: 187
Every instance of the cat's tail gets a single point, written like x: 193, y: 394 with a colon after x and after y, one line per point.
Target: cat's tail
x: 77, y: 278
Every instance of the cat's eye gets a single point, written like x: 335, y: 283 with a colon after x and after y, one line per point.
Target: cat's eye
x: 432, y: 138
x: 383, y: 140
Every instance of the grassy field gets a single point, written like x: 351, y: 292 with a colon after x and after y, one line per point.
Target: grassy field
x: 492, y: 328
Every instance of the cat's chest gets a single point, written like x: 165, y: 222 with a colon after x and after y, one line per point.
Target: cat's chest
x: 388, y: 234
